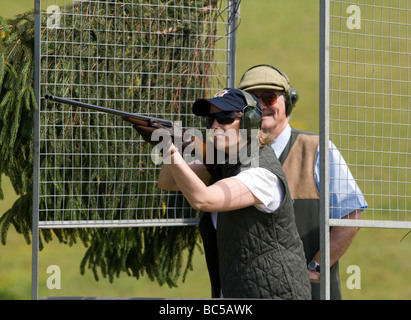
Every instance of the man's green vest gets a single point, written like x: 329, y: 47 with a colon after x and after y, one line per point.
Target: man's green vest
x: 298, y: 160
x: 254, y: 254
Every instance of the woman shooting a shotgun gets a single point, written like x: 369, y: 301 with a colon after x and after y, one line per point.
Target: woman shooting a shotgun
x: 247, y: 223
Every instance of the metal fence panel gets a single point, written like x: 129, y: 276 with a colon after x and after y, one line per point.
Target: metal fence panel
x: 365, y: 112
x: 152, y: 57
x: 369, y: 107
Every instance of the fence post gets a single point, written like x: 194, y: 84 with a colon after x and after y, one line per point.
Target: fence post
x: 36, y: 156
x: 234, y: 7
x: 324, y: 152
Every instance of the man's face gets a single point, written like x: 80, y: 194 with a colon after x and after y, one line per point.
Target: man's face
x: 272, y: 103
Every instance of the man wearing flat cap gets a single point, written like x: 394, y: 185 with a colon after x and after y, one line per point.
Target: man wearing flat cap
x: 298, y: 152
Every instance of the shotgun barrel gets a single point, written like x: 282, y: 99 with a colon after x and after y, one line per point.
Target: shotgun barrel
x: 164, y: 122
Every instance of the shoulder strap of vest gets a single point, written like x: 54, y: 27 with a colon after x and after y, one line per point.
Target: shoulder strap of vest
x: 294, y: 134
x: 286, y: 151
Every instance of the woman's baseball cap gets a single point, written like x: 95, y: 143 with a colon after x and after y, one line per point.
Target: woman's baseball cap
x: 228, y: 99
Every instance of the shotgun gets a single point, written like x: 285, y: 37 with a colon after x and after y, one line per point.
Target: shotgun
x: 136, y: 119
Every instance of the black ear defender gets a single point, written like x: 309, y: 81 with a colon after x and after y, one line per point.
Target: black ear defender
x: 291, y: 94
x: 250, y: 119
x: 292, y: 100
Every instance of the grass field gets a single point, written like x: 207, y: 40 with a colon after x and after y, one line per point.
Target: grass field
x: 282, y: 33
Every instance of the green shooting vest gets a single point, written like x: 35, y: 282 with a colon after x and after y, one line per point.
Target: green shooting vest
x: 255, y: 254
x: 298, y: 161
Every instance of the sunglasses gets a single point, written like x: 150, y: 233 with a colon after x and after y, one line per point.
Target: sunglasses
x: 223, y: 117
x: 269, y: 97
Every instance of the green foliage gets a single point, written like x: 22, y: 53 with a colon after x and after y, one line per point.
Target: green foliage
x: 158, y: 252
x: 124, y: 64
x: 16, y: 118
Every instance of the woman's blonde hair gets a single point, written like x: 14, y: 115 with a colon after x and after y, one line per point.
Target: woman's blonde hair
x: 264, y: 138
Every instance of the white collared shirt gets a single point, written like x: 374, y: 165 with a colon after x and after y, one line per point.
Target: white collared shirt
x: 281, y: 142
x: 345, y: 195
x: 265, y: 185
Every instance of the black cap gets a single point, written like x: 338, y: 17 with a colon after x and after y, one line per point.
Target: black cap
x: 228, y: 99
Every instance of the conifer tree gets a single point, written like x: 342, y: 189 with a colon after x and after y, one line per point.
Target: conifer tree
x: 163, y: 253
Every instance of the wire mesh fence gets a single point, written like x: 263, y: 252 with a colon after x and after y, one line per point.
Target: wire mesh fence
x: 152, y: 57
x: 369, y: 111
